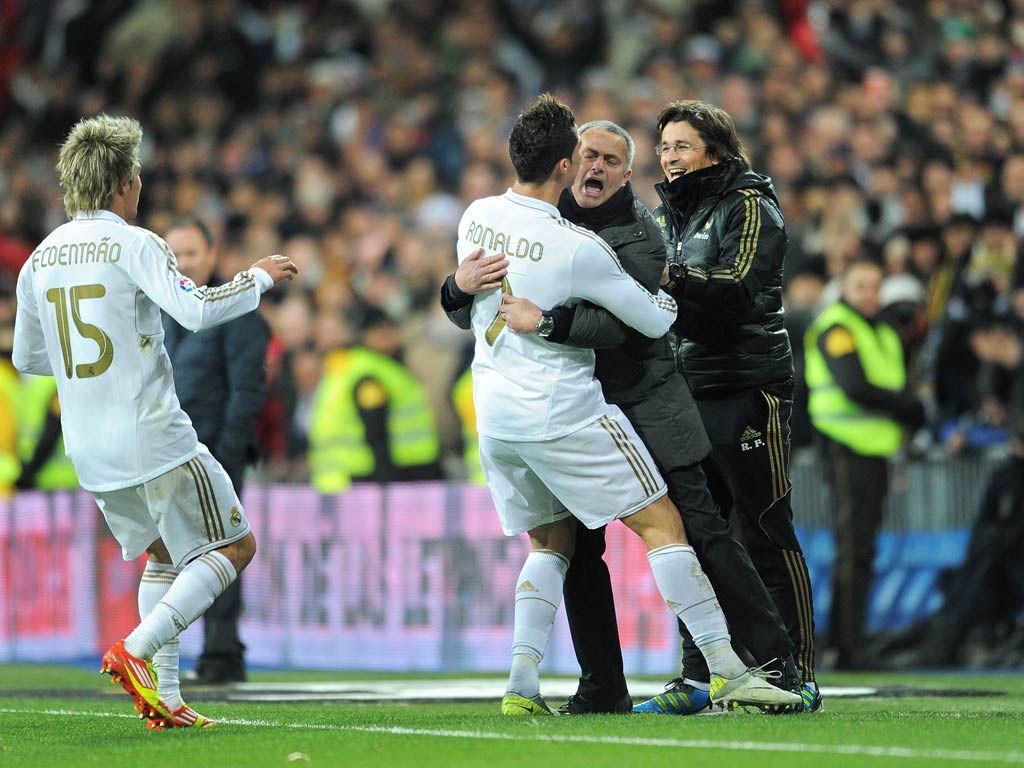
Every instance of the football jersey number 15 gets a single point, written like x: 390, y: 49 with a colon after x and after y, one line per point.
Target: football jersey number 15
x: 78, y: 293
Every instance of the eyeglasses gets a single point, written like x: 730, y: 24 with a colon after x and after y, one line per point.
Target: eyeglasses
x: 679, y: 148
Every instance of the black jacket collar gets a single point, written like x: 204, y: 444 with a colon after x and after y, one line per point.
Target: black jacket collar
x: 615, y: 211
x: 683, y: 192
x: 683, y: 195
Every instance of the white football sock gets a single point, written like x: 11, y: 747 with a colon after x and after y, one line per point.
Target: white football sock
x: 156, y: 580
x: 193, y: 591
x: 538, y: 595
x: 524, y: 678
x: 687, y: 591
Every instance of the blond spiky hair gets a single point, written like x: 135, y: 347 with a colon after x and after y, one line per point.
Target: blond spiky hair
x: 98, y: 153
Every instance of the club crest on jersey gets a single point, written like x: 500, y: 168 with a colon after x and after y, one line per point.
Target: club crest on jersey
x: 186, y: 285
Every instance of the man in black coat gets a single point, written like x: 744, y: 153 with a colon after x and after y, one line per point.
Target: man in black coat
x: 220, y: 378
x: 637, y: 374
x: 726, y: 241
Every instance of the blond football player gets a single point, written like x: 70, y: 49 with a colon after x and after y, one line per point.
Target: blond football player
x: 89, y: 302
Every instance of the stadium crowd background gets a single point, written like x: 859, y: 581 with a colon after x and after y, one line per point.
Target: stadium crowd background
x: 351, y: 135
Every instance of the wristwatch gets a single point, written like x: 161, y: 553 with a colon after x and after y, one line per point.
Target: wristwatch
x: 545, y: 326
x: 676, y: 272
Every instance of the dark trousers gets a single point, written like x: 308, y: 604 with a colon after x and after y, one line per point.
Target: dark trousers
x: 590, y: 609
x: 741, y: 593
x: 222, y: 648
x: 750, y: 441
x: 859, y: 485
x: 220, y: 627
x: 754, y: 621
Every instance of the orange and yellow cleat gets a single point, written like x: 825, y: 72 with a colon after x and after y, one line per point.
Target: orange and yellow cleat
x: 182, y: 717
x: 138, y: 678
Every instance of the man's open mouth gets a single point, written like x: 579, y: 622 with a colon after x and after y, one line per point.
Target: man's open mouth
x: 593, y: 187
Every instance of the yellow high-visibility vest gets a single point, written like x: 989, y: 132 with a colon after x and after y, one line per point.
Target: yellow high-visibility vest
x: 10, y: 463
x: 835, y: 415
x: 462, y: 400
x: 38, y: 396
x: 338, y: 448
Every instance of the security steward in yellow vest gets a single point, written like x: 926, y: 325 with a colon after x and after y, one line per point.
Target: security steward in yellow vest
x: 10, y: 463
x: 45, y: 465
x: 860, y: 405
x: 462, y: 401
x: 371, y: 419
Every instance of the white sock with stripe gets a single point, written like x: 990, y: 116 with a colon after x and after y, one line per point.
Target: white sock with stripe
x: 193, y: 591
x: 538, y: 595
x: 156, y: 580
x: 687, y: 591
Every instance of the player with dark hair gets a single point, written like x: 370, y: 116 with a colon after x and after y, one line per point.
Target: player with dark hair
x: 552, y: 450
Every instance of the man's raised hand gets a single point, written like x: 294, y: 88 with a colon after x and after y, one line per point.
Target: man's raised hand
x: 278, y: 267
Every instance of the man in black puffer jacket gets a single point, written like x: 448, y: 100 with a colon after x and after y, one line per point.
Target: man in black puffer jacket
x: 639, y: 375
x: 726, y: 242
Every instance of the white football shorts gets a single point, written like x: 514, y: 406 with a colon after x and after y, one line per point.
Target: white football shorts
x: 193, y: 508
x: 597, y: 474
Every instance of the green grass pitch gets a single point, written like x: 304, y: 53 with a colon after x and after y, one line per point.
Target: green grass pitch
x: 69, y: 717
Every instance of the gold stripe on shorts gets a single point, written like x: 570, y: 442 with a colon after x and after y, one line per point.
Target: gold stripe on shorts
x: 218, y: 522
x: 633, y: 457
x: 204, y: 503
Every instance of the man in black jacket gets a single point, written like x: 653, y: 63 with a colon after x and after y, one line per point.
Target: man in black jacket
x: 639, y: 376
x: 220, y: 378
x: 726, y: 242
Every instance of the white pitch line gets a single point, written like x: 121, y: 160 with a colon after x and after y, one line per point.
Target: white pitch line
x: 738, y: 746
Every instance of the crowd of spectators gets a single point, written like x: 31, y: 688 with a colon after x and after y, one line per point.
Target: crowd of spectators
x: 350, y: 135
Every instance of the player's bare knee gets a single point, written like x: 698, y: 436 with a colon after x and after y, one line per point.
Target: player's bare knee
x: 157, y: 553
x: 658, y: 524
x: 557, y: 537
x: 240, y: 552
x: 673, y: 521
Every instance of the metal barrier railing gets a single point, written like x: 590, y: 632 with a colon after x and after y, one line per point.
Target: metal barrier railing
x: 927, y: 493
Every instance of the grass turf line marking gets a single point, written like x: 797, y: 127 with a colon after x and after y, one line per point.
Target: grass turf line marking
x: 740, y: 746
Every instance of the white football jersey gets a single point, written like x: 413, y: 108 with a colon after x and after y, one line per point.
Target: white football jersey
x: 89, y: 301
x: 524, y: 387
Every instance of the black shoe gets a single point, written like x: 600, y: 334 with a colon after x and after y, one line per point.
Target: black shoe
x: 578, y: 704
x: 791, y: 679
x: 220, y: 672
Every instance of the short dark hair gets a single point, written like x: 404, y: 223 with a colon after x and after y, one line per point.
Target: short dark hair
x: 715, y: 126
x: 188, y: 222
x: 543, y: 134
x: 860, y: 262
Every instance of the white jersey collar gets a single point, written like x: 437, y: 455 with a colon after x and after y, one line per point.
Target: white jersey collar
x: 99, y: 214
x: 532, y: 202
